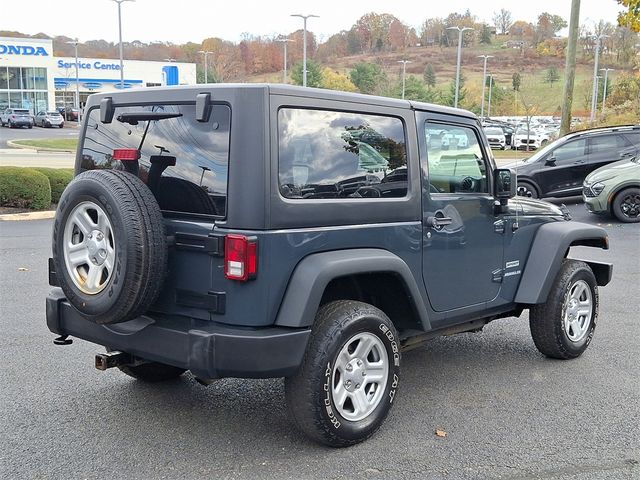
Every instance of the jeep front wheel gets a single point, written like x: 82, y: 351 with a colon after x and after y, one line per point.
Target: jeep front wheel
x: 563, y: 326
x: 349, y: 377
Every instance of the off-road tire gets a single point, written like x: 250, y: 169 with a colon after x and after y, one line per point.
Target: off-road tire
x: 308, y: 393
x: 616, y: 205
x: 546, y: 320
x: 140, y: 245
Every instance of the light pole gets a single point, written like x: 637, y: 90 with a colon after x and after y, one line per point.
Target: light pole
x: 594, y: 93
x: 484, y: 82
x: 404, y: 71
x: 206, y: 66
x: 284, y: 42
x: 460, y: 32
x: 604, y: 93
x: 119, y: 2
x: 304, y: 46
x: 77, y: 100
x: 490, y: 89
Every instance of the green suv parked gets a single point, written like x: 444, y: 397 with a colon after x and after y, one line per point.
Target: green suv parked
x: 615, y: 189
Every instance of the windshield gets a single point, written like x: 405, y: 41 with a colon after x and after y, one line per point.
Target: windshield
x: 53, y: 113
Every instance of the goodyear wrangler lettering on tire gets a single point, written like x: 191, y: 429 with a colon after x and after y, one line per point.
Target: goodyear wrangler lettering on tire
x: 349, y: 377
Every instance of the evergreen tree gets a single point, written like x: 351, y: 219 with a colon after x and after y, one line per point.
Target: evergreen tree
x: 552, y: 75
x: 314, y: 74
x: 429, y: 76
x: 516, y: 79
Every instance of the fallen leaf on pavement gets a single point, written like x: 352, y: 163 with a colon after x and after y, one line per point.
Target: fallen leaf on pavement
x: 23, y: 269
x: 441, y: 433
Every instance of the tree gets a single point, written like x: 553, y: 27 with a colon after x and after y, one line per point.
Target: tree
x: 366, y: 77
x: 502, y: 21
x: 333, y: 80
x: 630, y: 17
x: 548, y: 25
x: 552, y: 75
x: 485, y: 34
x: 449, y: 97
x: 429, y: 76
x: 314, y: 73
x: 516, y: 80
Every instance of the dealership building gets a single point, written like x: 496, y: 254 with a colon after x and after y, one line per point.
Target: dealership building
x: 32, y: 77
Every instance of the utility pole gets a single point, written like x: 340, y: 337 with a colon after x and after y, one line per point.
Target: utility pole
x: 284, y: 42
x: 570, y: 68
x: 594, y: 92
x: 604, y: 93
x: 460, y: 32
x: 304, y: 46
x: 490, y: 89
x: 119, y: 2
x: 484, y: 82
x: 404, y: 70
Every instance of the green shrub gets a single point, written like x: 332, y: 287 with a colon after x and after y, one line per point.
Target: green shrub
x: 24, y: 188
x: 59, y: 178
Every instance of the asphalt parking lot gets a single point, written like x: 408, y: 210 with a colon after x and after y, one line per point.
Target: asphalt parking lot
x: 507, y: 411
x: 70, y: 130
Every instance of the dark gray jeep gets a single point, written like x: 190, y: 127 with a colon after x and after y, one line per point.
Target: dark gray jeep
x: 271, y: 231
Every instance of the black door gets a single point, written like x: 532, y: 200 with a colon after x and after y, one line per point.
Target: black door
x: 563, y: 169
x: 608, y: 148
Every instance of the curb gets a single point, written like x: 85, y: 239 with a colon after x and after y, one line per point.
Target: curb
x: 28, y: 216
x: 12, y: 144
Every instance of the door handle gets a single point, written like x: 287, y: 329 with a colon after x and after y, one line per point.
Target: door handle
x: 438, y: 221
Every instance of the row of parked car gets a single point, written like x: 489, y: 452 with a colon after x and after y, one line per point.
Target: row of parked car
x: 22, y: 117
x: 520, y: 135
x: 602, y: 165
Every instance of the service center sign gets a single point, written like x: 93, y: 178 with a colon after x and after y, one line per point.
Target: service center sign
x: 89, y: 65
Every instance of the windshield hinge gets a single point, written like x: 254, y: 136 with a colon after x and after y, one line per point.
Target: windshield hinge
x: 498, y: 226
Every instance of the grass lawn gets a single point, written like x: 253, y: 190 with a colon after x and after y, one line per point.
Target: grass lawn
x: 69, y: 144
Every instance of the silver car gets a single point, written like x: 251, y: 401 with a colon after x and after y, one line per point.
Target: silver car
x: 49, y: 119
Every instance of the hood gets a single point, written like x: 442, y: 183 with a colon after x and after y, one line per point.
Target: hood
x: 532, y: 206
x: 623, y: 167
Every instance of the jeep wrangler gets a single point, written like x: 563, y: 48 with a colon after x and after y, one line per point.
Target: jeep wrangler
x: 259, y: 231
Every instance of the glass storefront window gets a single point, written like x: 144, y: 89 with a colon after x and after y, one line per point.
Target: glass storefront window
x: 27, y: 78
x: 14, y: 78
x: 40, y: 77
x: 4, y: 101
x: 4, y: 78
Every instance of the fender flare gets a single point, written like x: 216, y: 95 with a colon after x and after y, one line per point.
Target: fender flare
x: 312, y: 275
x: 549, y: 249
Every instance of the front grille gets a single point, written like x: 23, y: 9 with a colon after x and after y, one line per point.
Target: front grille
x: 587, y: 192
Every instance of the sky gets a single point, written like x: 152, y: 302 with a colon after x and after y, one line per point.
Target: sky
x: 180, y: 21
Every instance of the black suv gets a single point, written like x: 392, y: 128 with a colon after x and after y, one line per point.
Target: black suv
x: 559, y: 169
x: 274, y: 231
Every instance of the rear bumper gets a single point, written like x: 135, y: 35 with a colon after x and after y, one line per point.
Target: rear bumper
x: 208, y: 349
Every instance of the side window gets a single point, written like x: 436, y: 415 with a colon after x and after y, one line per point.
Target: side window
x: 570, y: 152
x: 607, y: 144
x: 332, y: 154
x: 454, y: 159
x: 633, y: 137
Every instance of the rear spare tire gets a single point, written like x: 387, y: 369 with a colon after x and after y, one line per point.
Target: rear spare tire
x: 109, y: 246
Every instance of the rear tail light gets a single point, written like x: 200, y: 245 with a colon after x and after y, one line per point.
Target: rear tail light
x: 240, y: 257
x: 126, y: 154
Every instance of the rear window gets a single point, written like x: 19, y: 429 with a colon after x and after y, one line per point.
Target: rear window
x: 197, y: 183
x: 53, y: 113
x: 21, y: 112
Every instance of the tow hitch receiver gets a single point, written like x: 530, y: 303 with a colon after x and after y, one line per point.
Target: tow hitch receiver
x: 114, y: 359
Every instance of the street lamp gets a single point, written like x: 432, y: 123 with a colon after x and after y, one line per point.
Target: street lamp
x: 284, y: 42
x: 604, y: 93
x: 484, y: 81
x: 404, y: 71
x: 594, y: 93
x: 119, y: 2
x: 206, y: 67
x: 460, y: 32
x: 304, y: 46
x: 77, y: 100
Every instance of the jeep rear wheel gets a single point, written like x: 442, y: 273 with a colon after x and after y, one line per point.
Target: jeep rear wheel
x: 109, y: 246
x: 349, y: 377
x: 563, y: 326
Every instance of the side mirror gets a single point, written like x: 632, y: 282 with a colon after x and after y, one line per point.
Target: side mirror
x: 504, y: 181
x: 550, y: 160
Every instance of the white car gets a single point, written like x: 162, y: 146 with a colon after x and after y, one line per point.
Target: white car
x: 496, y: 138
x: 527, y: 140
